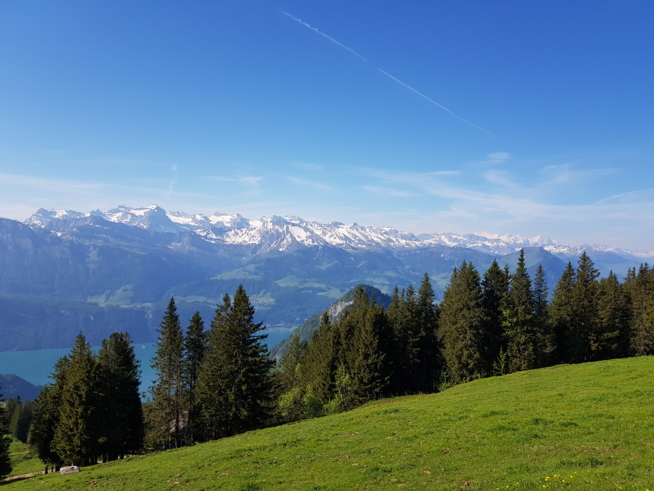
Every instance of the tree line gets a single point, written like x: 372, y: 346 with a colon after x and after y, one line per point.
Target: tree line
x: 217, y: 382
x: 498, y: 323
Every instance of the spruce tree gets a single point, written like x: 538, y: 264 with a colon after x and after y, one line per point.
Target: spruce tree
x: 320, y: 362
x: 495, y: 288
x: 236, y: 372
x: 585, y: 332
x: 77, y: 433
x: 562, y: 313
x: 288, y: 381
x: 122, y: 414
x: 46, y: 415
x: 545, y: 341
x: 428, y: 353
x: 369, y: 374
x: 212, y: 376
x: 612, y: 340
x: 5, y: 460
x: 640, y: 288
x: 519, y: 320
x: 195, y: 346
x: 461, y: 324
x: 168, y: 391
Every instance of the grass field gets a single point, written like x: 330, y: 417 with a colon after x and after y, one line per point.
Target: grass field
x: 583, y: 427
x: 23, y: 460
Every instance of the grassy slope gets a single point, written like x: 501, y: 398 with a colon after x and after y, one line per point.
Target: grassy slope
x: 23, y: 460
x: 589, y: 425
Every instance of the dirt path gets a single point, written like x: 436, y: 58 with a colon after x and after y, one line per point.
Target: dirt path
x: 22, y: 476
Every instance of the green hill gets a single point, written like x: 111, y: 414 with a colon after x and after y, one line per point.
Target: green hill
x: 581, y: 427
x: 336, y: 310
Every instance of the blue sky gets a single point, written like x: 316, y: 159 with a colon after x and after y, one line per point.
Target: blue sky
x: 506, y: 117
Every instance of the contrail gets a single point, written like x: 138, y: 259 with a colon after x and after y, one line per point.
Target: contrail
x: 324, y: 35
x: 395, y: 79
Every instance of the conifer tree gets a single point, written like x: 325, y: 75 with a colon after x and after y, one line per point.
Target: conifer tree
x: 195, y: 346
x: 428, y: 353
x: 212, y: 376
x: 5, y: 460
x: 288, y: 379
x: 495, y: 288
x: 545, y: 341
x: 365, y: 359
x: 21, y: 418
x: 77, y: 433
x: 519, y: 320
x: 613, y: 318
x: 237, y: 370
x: 122, y: 414
x: 320, y: 362
x: 585, y: 330
x: 46, y: 415
x: 640, y: 288
x: 562, y: 313
x: 168, y: 393
x: 403, y: 318
x: 461, y: 324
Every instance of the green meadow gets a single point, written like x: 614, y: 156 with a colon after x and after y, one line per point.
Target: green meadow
x: 576, y: 427
x: 23, y: 459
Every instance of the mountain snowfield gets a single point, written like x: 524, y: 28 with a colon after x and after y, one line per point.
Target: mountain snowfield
x: 284, y: 233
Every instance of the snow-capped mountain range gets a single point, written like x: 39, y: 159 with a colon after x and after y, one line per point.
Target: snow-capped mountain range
x: 286, y: 233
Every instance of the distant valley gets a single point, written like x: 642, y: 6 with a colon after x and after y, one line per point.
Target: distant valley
x: 62, y: 272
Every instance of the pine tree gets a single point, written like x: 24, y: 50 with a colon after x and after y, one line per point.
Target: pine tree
x: 640, y: 288
x: 5, y: 460
x: 168, y: 393
x: 21, y: 418
x: 77, y: 433
x: 319, y: 369
x: 562, y: 313
x: 236, y: 372
x: 613, y: 317
x: 288, y: 380
x: 585, y: 332
x: 195, y: 346
x: 495, y: 288
x: 545, y: 341
x: 461, y: 324
x: 519, y: 320
x: 46, y: 415
x: 212, y: 376
x: 365, y: 358
x: 122, y: 414
x: 428, y: 353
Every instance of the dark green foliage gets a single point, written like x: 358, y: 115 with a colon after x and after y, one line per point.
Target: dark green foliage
x: 195, y: 346
x: 288, y: 380
x: 122, y: 414
x: 319, y: 369
x: 545, y: 339
x: 461, y: 325
x: 519, y: 326
x: 21, y: 418
x: 640, y: 288
x: 612, y: 336
x: 495, y: 288
x: 168, y: 391
x: 47, y: 417
x: 562, y: 312
x: 5, y: 461
x: 366, y: 349
x: 235, y: 386
x: 77, y: 433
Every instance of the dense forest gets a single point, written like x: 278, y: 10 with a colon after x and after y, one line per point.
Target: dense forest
x: 220, y: 381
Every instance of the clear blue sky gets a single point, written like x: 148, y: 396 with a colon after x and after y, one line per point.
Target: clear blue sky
x: 238, y: 107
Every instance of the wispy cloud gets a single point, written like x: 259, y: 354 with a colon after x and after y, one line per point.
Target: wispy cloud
x: 385, y: 192
x: 252, y: 183
x: 497, y: 158
x: 395, y: 79
x: 171, y: 184
x: 309, y: 184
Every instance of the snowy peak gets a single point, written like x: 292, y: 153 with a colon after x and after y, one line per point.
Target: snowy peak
x: 288, y: 233
x: 42, y: 216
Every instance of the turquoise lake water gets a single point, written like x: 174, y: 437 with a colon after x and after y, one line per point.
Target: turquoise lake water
x: 36, y: 366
